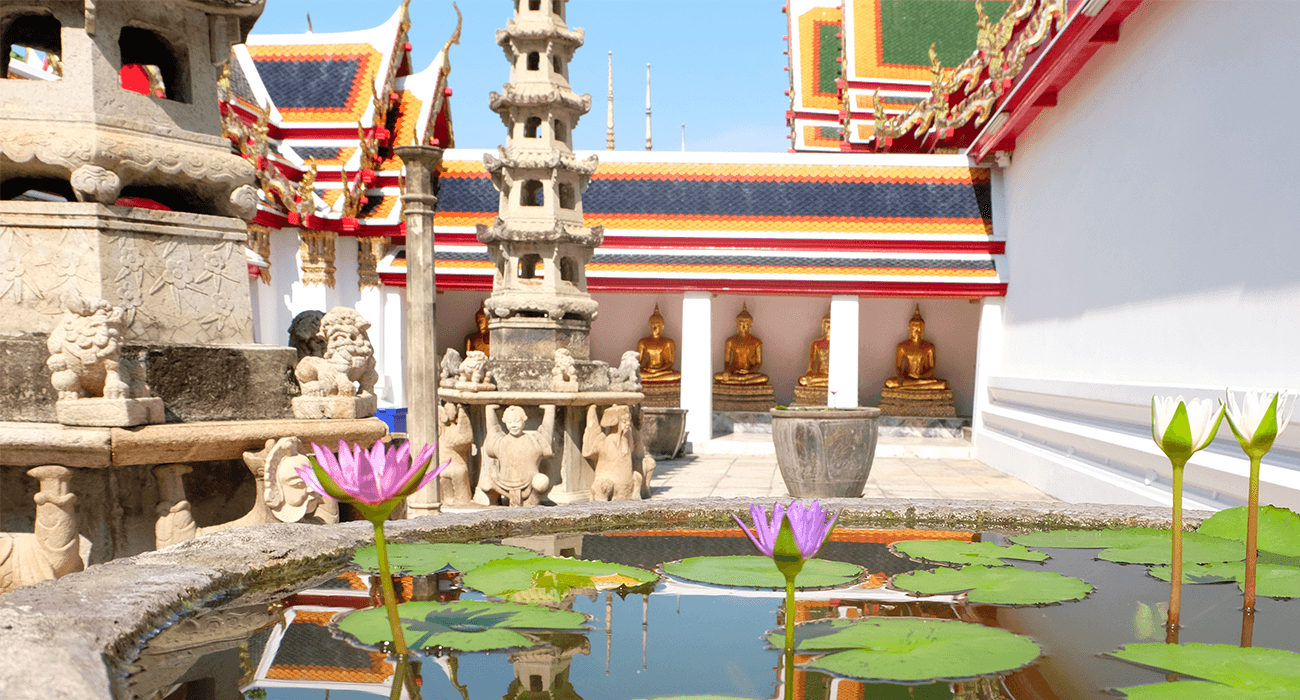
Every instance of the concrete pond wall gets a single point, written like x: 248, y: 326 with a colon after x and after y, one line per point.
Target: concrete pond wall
x: 76, y: 637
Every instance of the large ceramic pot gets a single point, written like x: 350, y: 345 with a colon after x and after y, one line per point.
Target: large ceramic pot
x: 825, y: 453
x: 663, y: 431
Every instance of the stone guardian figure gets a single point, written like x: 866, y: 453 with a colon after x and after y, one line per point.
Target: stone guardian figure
x: 54, y: 549
x: 455, y: 438
x: 615, y: 479
x: 517, y: 479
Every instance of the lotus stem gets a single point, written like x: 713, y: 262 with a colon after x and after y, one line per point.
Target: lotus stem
x: 1176, y: 561
x: 789, y: 638
x: 390, y: 596
x: 1252, y: 535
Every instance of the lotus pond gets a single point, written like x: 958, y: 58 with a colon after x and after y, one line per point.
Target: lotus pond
x: 668, y: 614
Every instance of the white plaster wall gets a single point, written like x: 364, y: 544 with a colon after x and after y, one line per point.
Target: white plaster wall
x: 1151, y: 225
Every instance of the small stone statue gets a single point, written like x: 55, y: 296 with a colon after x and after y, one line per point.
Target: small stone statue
x: 564, y: 375
x: 518, y: 480
x: 742, y: 355
x: 449, y: 368
x: 303, y: 334
x: 614, y: 479
x: 341, y: 383
x: 96, y: 386
x: 479, y: 340
x: 627, y: 376
x: 474, y: 374
x: 54, y: 549
x: 455, y: 438
x: 658, y: 353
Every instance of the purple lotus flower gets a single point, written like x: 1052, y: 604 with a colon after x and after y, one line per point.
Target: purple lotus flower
x: 808, y: 523
x: 373, y: 480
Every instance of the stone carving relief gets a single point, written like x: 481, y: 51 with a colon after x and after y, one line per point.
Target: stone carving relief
x: 341, y: 383
x: 515, y: 478
x: 455, y: 439
x: 627, y: 376
x: 564, y: 375
x: 53, y: 550
x: 612, y: 452
x: 95, y: 385
x: 470, y: 374
x: 92, y: 183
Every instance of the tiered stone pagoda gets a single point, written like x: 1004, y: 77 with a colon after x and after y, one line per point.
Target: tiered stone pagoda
x: 539, y: 300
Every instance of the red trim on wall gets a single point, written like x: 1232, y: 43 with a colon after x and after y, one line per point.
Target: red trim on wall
x: 836, y: 245
x: 483, y: 283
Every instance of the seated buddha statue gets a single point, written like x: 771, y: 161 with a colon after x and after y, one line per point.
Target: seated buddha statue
x: 819, y: 358
x: 742, y: 355
x: 914, y: 359
x: 480, y: 339
x: 658, y: 353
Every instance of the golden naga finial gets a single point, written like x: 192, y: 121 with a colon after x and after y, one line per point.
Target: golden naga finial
x: 307, y: 190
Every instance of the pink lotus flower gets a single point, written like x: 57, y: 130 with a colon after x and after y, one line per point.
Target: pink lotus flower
x: 373, y: 480
x: 808, y: 523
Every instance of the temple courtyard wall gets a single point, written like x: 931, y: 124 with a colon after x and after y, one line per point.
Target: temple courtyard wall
x: 1151, y: 249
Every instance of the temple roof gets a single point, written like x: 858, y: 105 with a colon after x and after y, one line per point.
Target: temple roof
x: 924, y: 76
x: 752, y: 223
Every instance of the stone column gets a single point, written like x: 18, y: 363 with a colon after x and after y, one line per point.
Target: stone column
x: 697, y: 365
x: 394, y: 345
x: 842, y: 388
x: 421, y: 329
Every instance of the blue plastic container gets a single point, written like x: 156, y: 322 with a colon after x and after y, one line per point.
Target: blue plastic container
x: 394, y: 418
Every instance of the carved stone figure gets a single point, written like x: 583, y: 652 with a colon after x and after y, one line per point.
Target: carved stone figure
x: 627, y: 376
x: 95, y: 385
x: 479, y: 340
x: 819, y: 358
x: 341, y: 383
x: 175, y: 521
x: 53, y: 550
x: 615, y: 479
x: 658, y: 353
x: 564, y: 375
x: 303, y: 334
x: 455, y: 438
x: 742, y: 355
x: 517, y: 479
x: 449, y: 368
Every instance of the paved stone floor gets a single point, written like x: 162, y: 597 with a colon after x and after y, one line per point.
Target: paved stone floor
x: 747, y: 475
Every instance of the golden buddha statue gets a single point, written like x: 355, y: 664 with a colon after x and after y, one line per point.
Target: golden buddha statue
x: 479, y: 340
x: 742, y: 355
x: 658, y: 353
x: 819, y: 358
x: 914, y: 359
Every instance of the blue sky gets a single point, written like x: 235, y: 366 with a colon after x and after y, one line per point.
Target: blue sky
x: 718, y: 65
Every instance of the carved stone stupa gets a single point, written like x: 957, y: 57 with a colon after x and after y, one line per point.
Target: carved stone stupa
x: 915, y: 391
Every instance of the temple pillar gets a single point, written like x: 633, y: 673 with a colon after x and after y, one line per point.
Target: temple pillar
x: 842, y: 386
x: 988, y: 356
x: 697, y: 365
x: 421, y: 327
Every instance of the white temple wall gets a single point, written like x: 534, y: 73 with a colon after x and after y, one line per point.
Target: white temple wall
x: 1151, y: 230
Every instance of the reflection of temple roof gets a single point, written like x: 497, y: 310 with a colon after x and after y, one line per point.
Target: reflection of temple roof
x: 762, y: 223
x: 866, y: 548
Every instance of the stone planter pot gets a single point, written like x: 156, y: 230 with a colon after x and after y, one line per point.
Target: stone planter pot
x: 663, y: 431
x: 825, y: 453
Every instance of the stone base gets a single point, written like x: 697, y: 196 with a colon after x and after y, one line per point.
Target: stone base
x: 349, y: 407
x: 917, y: 402
x: 733, y: 397
x: 809, y: 396
x: 923, y: 427
x: 662, y: 394
x: 534, y: 375
x: 111, y: 413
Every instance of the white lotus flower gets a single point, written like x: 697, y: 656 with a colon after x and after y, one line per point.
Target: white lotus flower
x: 1179, y: 433
x: 1259, y: 418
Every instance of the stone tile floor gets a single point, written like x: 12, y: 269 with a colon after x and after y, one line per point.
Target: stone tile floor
x: 749, y: 475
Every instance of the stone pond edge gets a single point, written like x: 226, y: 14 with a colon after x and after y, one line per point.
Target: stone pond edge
x: 77, y: 636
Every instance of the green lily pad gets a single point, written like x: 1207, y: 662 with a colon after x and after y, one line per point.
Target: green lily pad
x: 1277, y: 528
x: 909, y: 649
x: 1274, y: 580
x: 423, y: 558
x: 549, y: 579
x: 1225, y: 671
x: 464, y: 625
x: 760, y: 572
x: 995, y: 585
x: 1138, y: 545
x: 954, y: 552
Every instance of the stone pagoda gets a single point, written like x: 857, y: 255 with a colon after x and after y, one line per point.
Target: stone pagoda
x: 539, y: 301
x: 554, y: 446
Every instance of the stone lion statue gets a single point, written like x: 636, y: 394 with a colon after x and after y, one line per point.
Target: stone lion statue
x: 627, y: 376
x: 474, y: 367
x: 564, y: 375
x: 348, y: 365
x: 85, y: 354
x: 449, y: 368
x: 303, y: 334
